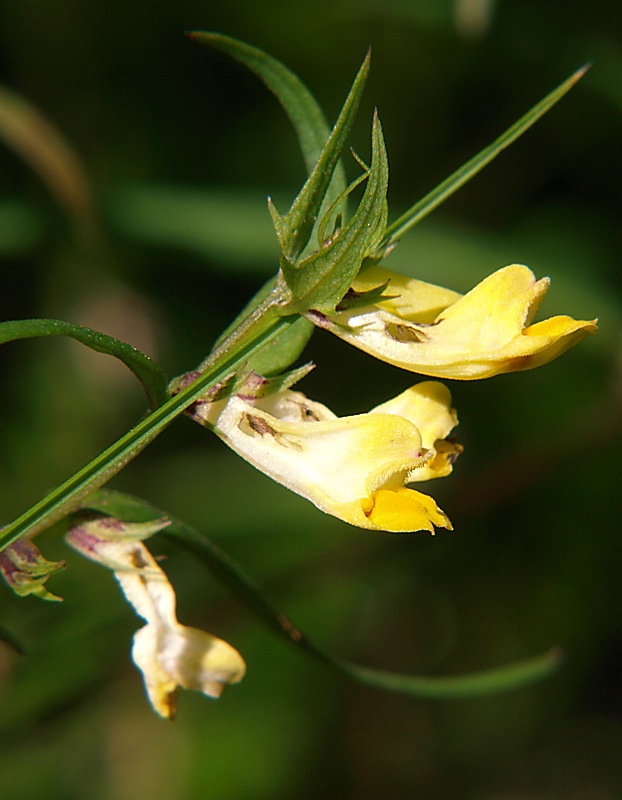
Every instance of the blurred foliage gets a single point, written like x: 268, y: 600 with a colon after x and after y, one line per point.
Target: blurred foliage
x: 180, y: 147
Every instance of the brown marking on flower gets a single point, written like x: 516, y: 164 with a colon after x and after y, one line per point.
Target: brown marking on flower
x: 138, y: 560
x: 259, y: 425
x: 306, y: 412
x: 171, y: 704
x: 405, y: 333
x: 450, y: 448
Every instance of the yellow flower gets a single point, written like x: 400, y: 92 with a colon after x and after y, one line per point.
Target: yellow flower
x: 354, y: 468
x: 434, y: 331
x: 168, y: 654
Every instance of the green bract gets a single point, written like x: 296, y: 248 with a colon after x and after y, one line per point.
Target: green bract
x: 294, y: 229
x: 320, y: 281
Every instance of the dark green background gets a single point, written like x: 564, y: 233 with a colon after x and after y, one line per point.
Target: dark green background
x: 181, y: 147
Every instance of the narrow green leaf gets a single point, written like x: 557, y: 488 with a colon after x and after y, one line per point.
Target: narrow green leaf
x: 472, y: 684
x: 151, y: 376
x: 467, y: 171
x: 222, y: 566
x: 320, y: 281
x: 66, y: 497
x: 294, y: 228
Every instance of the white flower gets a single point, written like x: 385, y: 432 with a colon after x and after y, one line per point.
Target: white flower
x: 168, y: 654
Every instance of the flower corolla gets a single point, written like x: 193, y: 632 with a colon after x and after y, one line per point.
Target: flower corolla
x: 434, y: 331
x: 356, y: 467
x: 168, y: 654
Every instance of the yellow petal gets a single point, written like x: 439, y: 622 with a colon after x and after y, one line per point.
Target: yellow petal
x: 408, y: 297
x: 406, y: 510
x: 339, y: 464
x: 168, y: 654
x: 428, y: 406
x: 178, y: 656
x: 483, y: 333
x: 329, y: 461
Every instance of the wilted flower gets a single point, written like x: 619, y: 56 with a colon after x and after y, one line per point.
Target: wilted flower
x: 168, y: 654
x: 354, y: 468
x: 434, y: 331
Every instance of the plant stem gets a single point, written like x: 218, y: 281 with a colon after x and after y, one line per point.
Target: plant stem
x: 236, y: 349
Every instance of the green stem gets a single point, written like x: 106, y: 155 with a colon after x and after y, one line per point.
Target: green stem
x: 222, y: 566
x: 231, y: 354
x: 240, y: 335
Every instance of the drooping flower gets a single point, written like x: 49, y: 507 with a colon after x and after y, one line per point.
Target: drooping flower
x: 355, y: 468
x: 434, y: 331
x: 168, y: 654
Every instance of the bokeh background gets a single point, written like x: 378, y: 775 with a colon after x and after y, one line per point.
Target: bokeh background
x: 180, y: 147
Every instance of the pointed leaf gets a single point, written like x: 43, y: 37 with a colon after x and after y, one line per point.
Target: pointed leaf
x: 321, y: 281
x: 151, y: 376
x: 294, y: 228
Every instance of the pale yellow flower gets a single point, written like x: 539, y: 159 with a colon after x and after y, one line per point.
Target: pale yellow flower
x: 168, y: 654
x: 354, y: 468
x: 434, y: 331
